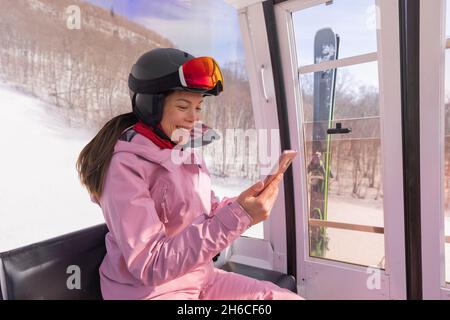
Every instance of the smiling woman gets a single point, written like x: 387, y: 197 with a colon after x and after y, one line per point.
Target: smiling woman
x: 165, y: 223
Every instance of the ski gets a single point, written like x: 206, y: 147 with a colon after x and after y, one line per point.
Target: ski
x: 326, y: 48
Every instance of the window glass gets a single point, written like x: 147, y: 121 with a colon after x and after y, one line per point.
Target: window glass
x: 344, y: 181
x: 63, y: 75
x: 355, y: 21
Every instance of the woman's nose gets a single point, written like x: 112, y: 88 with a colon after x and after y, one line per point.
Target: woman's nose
x: 192, y: 115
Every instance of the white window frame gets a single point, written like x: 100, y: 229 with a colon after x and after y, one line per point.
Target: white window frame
x: 270, y: 252
x: 432, y: 157
x: 332, y: 275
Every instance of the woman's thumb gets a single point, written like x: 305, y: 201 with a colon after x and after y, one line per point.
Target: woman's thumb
x: 254, y: 189
x: 258, y: 186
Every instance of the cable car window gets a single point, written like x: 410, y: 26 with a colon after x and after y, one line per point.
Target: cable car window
x: 63, y: 74
x: 338, y: 74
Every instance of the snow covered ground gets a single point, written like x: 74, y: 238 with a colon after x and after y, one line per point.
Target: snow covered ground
x: 353, y: 246
x: 361, y: 247
x: 40, y: 195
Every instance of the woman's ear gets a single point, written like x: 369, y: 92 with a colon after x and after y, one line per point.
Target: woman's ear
x: 148, y: 108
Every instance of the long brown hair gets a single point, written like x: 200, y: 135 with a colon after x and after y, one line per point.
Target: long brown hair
x: 95, y: 157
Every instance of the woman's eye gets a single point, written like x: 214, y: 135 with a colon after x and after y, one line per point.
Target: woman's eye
x: 182, y: 108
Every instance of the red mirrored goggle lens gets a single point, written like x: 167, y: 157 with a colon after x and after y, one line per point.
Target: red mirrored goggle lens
x: 202, y: 73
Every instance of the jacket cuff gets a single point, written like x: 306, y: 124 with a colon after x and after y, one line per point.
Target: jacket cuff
x: 234, y: 217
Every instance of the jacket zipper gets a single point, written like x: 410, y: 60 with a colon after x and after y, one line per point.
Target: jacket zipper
x: 164, y: 206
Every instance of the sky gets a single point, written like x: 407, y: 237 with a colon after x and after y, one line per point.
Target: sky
x: 200, y: 27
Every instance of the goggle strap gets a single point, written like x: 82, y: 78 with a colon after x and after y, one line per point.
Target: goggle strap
x: 181, y: 76
x: 167, y: 83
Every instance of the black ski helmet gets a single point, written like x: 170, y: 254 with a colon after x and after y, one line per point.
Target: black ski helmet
x: 151, y: 77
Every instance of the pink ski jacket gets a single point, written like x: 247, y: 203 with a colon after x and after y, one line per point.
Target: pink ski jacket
x: 165, y: 224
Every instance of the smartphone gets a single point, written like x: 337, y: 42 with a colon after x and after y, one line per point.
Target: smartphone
x: 284, y: 162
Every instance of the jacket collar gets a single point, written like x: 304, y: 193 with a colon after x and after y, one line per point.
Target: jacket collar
x: 155, y: 134
x: 170, y: 159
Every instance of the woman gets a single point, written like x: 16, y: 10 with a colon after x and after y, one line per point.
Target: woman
x: 165, y: 224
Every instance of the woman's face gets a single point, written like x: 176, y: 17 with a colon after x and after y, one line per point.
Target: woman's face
x: 181, y: 110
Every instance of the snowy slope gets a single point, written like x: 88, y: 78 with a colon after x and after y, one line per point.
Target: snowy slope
x: 40, y: 196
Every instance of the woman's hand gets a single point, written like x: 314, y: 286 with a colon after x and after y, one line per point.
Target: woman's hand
x: 258, y: 207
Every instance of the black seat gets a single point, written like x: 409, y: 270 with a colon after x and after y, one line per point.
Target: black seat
x: 40, y: 271
x: 280, y: 279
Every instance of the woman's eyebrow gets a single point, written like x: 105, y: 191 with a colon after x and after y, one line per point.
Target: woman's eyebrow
x: 181, y: 99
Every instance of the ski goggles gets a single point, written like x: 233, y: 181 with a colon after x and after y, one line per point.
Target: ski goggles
x: 197, y: 75
x: 200, y: 73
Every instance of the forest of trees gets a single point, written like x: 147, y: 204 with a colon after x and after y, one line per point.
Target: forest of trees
x: 232, y: 109
x: 83, y: 73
